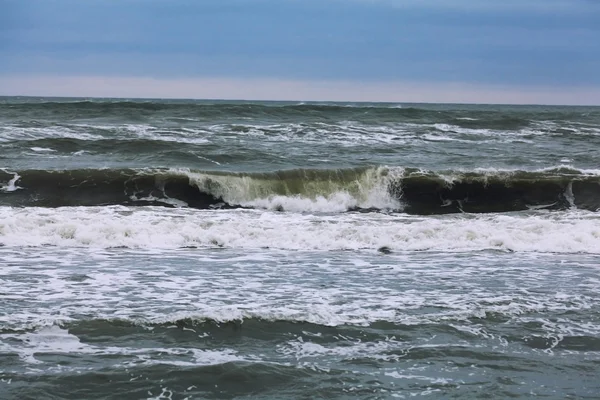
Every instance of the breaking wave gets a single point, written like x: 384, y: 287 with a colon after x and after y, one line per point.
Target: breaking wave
x: 163, y: 228
x: 390, y: 189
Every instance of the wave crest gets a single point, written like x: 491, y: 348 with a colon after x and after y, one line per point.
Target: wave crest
x: 388, y: 189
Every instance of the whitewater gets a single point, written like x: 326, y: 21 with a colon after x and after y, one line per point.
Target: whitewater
x: 210, y: 249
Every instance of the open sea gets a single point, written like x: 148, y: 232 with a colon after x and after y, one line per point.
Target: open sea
x: 174, y: 249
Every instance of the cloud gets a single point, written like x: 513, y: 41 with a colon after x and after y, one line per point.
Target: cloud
x: 527, y: 43
x: 515, y: 6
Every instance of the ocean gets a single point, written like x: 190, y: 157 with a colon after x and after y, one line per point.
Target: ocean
x: 180, y: 249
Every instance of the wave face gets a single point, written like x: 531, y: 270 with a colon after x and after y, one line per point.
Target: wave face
x: 381, y: 188
x: 478, y: 116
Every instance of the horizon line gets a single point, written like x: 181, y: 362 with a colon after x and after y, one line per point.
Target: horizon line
x: 314, y: 102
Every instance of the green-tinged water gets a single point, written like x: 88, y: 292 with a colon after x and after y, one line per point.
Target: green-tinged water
x: 203, y: 249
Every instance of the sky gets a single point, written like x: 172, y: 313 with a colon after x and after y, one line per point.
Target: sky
x: 477, y: 51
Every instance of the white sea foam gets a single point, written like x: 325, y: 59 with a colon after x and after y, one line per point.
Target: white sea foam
x: 562, y: 169
x: 309, y: 351
x: 340, y: 133
x: 52, y: 339
x: 155, y: 227
x: 343, y: 133
x: 48, y: 339
x: 540, y: 128
x: 163, y: 288
x: 11, y: 186
x: 9, y: 133
x: 99, y: 132
x: 336, y: 202
x: 165, y: 200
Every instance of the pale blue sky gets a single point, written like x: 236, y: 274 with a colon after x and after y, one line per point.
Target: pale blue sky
x: 510, y: 47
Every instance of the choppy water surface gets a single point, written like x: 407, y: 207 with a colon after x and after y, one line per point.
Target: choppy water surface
x: 183, y: 250
x: 225, y: 323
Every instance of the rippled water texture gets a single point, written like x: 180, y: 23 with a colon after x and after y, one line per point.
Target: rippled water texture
x: 276, y: 324
x: 194, y: 249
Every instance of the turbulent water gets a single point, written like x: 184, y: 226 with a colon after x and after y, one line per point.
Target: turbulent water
x: 210, y: 249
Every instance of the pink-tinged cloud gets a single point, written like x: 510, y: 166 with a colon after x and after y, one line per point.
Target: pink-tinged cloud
x: 295, y: 90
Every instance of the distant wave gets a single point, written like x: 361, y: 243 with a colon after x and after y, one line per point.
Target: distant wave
x: 136, y: 110
x: 87, y: 108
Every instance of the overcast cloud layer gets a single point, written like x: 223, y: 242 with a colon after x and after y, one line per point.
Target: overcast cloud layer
x: 477, y: 50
